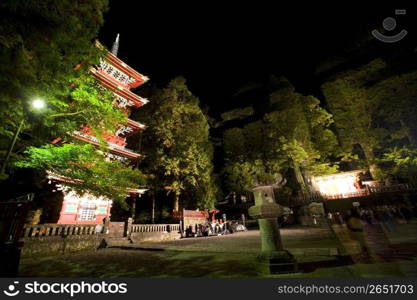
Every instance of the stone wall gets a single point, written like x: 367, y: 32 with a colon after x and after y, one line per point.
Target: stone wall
x: 155, y: 236
x: 54, y: 239
x: 154, y: 232
x: 57, y: 239
x: 56, y: 245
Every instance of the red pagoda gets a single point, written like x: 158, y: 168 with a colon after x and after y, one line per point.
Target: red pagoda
x: 119, y: 78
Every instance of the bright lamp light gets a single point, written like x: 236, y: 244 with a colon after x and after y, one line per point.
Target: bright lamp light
x: 38, y: 104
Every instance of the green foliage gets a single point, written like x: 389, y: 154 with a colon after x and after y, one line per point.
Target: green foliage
x: 84, y: 169
x: 242, y: 177
x: 38, y: 60
x: 301, y: 133
x: 234, y: 145
x: 401, y: 163
x: 46, y: 50
x: 295, y: 136
x: 397, y: 96
x: 353, y: 109
x: 373, y: 109
x: 177, y: 146
x: 37, y: 56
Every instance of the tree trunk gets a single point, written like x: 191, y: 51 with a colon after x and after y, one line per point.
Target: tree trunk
x: 370, y: 157
x: 177, y: 202
x: 134, y: 208
x: 299, y: 176
x: 153, y: 207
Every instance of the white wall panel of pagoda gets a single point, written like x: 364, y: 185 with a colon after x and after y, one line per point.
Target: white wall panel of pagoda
x: 122, y: 102
x: 116, y: 73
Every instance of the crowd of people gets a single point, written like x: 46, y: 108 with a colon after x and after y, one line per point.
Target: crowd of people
x: 214, y: 227
x: 360, y: 220
x: 379, y: 214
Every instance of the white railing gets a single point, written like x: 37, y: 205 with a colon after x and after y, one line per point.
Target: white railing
x: 155, y: 228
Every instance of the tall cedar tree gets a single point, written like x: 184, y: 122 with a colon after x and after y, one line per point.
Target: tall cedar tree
x: 177, y: 148
x: 294, y: 136
x: 373, y: 109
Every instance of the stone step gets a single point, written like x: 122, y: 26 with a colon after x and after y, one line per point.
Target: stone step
x: 314, y: 251
x: 116, y: 242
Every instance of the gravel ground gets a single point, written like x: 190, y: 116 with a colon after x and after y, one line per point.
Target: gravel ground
x: 224, y: 257
x: 249, y: 241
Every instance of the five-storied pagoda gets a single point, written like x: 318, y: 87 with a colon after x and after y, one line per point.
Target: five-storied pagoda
x: 119, y: 78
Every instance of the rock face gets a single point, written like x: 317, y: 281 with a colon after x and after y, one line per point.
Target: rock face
x: 272, y: 259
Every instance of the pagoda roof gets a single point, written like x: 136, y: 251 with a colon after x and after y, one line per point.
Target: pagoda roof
x: 117, y: 88
x: 135, y: 124
x: 62, y: 179
x: 140, y: 78
x: 112, y: 147
x: 122, y: 66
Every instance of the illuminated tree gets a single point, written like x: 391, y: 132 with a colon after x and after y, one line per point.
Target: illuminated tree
x: 46, y: 50
x: 177, y: 146
x: 354, y: 111
x: 294, y: 136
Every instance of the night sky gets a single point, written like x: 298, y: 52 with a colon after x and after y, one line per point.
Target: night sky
x: 219, y: 48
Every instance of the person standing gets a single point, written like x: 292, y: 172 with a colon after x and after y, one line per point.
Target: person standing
x: 222, y: 227
x: 99, y: 228
x: 213, y: 227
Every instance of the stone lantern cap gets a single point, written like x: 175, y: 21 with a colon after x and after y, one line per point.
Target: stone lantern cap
x: 265, y: 211
x: 265, y: 204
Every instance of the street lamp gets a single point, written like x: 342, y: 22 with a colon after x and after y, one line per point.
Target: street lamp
x: 37, y: 104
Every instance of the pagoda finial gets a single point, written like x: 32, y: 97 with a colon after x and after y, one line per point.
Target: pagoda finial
x: 115, y: 47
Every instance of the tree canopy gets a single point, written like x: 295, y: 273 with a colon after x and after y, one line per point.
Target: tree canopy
x: 177, y: 146
x: 43, y: 56
x: 373, y: 108
x: 294, y: 136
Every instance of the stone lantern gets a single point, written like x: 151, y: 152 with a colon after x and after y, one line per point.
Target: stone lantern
x: 272, y: 259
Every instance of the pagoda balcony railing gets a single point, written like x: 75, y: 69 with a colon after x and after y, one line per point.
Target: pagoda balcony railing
x: 130, y: 128
x: 122, y: 102
x: 125, y: 103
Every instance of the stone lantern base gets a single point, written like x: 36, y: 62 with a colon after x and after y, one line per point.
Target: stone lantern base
x: 273, y: 258
x: 276, y: 262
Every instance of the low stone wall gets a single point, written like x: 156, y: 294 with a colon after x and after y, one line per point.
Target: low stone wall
x: 53, y: 239
x: 56, y: 245
x: 155, y: 232
x: 56, y: 239
x: 155, y: 236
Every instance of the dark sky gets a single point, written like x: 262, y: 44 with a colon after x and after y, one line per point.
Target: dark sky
x: 219, y: 48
